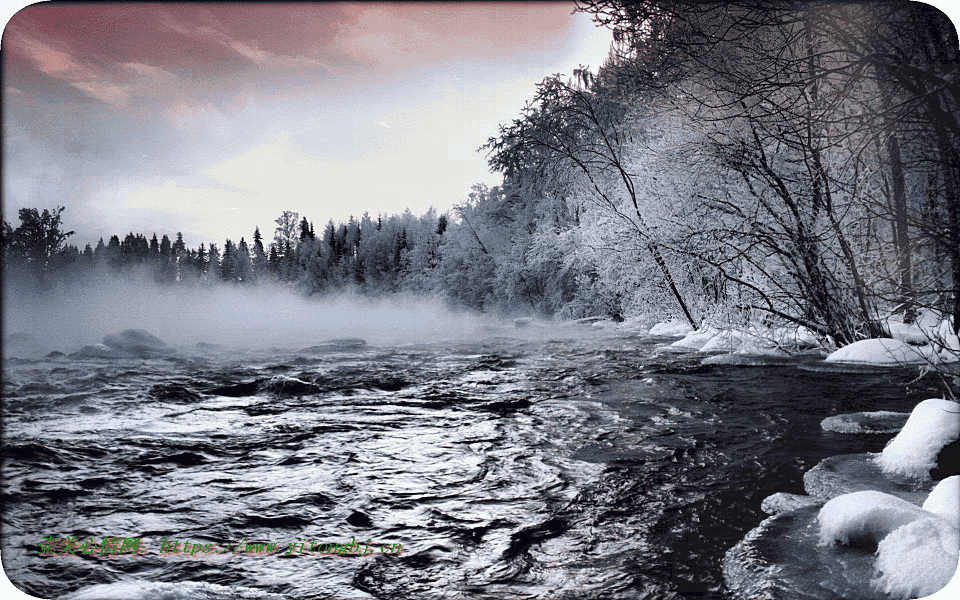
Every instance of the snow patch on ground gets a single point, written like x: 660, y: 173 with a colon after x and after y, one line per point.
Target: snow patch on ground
x: 932, y: 425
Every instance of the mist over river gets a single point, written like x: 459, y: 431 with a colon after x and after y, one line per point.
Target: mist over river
x: 575, y: 462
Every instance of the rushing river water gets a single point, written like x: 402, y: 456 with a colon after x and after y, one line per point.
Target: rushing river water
x: 588, y: 466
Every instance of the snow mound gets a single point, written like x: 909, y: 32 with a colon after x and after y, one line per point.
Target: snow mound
x: 886, y: 351
x: 867, y: 516
x: 932, y: 425
x: 881, y: 421
x: 912, y: 334
x: 756, y: 346
x: 671, y: 328
x: 696, y: 339
x: 918, y: 559
x: 724, y: 341
x: 944, y: 500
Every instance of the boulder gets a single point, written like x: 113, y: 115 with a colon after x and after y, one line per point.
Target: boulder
x: 102, y: 351
x: 337, y: 345
x: 138, y: 342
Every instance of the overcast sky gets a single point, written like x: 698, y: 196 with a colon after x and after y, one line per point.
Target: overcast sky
x: 211, y: 119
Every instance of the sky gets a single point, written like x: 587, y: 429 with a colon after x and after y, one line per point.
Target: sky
x: 213, y: 118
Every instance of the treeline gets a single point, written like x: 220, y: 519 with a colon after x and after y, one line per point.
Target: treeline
x: 461, y: 257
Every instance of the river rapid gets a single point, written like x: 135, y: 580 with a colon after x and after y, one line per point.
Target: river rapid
x: 584, y: 464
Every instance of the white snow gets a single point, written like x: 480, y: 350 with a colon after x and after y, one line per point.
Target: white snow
x: 867, y: 516
x: 917, y: 548
x: 918, y: 559
x: 932, y: 425
x: 757, y: 346
x: 727, y: 340
x: 944, y: 500
x: 696, y: 339
x: 885, y: 352
x: 674, y: 328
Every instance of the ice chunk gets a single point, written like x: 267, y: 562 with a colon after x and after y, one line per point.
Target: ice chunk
x: 784, y: 502
x: 944, y: 500
x: 846, y: 473
x: 867, y: 516
x: 883, y: 352
x: 932, y: 425
x: 881, y: 421
x: 919, y: 558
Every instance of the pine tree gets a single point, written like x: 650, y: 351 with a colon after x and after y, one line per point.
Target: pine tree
x: 242, y: 268
x: 201, y: 260
x: 260, y: 268
x: 227, y: 272
x: 213, y: 263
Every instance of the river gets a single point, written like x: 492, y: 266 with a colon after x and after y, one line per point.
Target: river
x: 581, y: 465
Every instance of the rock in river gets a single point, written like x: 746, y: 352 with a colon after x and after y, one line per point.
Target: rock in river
x: 138, y: 342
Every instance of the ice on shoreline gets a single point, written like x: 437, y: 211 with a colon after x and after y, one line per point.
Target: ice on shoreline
x: 884, y: 530
x: 917, y: 548
x: 881, y: 421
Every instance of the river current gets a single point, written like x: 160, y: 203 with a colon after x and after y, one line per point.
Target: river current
x: 589, y: 465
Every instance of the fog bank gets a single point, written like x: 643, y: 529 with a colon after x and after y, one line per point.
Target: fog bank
x: 260, y: 317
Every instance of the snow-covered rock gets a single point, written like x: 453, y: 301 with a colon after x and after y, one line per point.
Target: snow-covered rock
x: 102, y: 351
x: 885, y: 351
x: 867, y: 516
x: 727, y: 340
x: 917, y: 549
x: 696, y: 339
x: 918, y: 559
x: 671, y: 328
x: 337, y: 345
x: 913, y: 452
x: 944, y: 500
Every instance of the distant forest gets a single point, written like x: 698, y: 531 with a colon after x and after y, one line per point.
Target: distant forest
x: 736, y: 162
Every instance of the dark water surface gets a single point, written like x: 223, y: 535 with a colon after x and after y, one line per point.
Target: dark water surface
x: 590, y: 467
